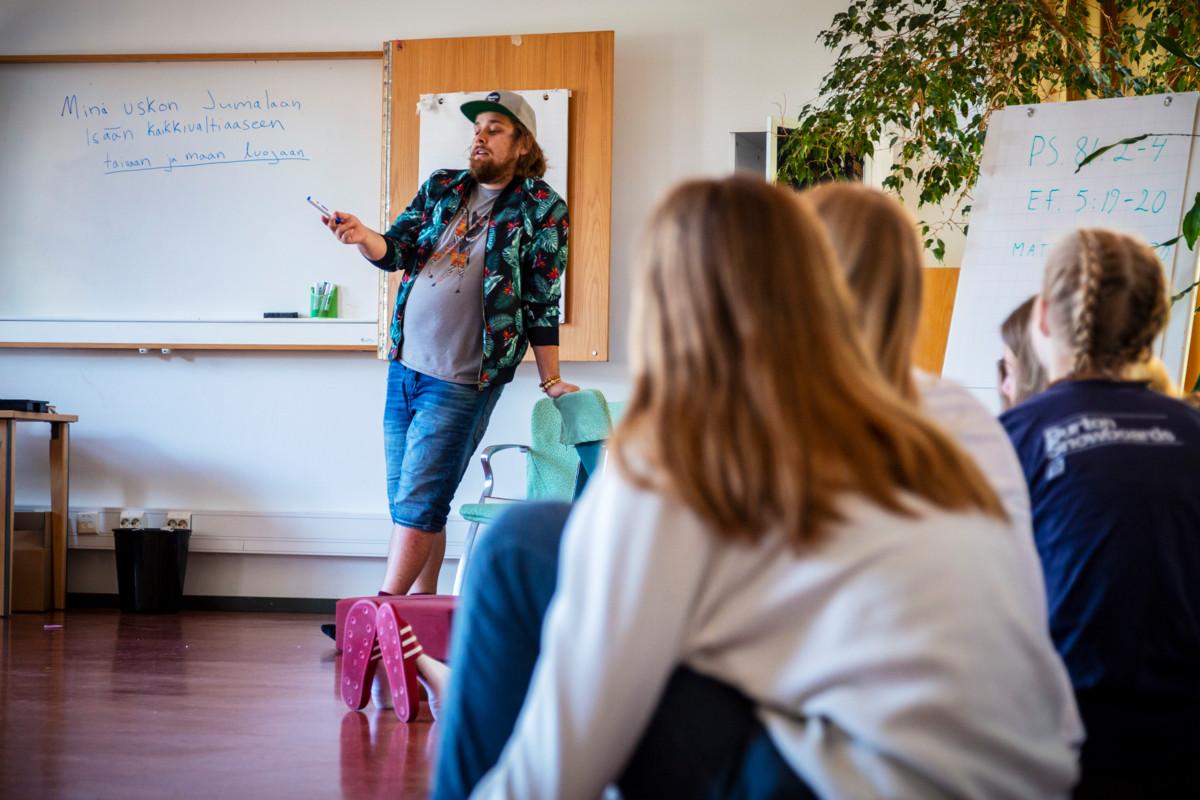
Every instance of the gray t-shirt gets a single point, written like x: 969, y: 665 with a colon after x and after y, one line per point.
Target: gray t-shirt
x: 443, y: 318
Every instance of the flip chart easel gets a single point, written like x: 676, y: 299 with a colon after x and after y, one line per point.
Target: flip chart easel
x: 1030, y: 194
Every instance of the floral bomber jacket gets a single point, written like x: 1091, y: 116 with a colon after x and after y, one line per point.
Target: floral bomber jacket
x: 525, y: 258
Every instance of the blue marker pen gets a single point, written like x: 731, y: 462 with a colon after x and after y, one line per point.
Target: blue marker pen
x: 323, y: 209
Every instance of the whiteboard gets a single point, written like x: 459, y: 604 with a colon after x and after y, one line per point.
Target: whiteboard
x: 174, y: 193
x: 1029, y: 196
x: 446, y: 135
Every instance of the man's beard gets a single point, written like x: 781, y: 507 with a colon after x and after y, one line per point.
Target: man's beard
x: 488, y: 170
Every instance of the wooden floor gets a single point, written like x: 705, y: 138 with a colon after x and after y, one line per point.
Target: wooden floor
x: 197, y: 704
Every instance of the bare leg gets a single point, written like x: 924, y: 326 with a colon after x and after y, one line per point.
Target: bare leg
x: 427, y: 581
x: 409, y: 551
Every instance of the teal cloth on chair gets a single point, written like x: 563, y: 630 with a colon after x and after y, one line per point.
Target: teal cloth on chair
x: 585, y: 417
x: 588, y: 420
x: 550, y: 470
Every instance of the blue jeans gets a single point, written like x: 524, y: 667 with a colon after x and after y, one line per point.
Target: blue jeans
x: 703, y: 740
x: 430, y: 429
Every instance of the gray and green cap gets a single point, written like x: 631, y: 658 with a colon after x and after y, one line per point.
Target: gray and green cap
x: 510, y: 104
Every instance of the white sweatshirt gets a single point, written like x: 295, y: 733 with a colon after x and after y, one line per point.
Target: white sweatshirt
x: 983, y: 437
x: 899, y: 658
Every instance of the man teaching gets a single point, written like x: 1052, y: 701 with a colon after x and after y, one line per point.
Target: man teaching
x: 482, y: 252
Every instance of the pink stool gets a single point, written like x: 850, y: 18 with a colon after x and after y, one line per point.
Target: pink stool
x: 429, y: 614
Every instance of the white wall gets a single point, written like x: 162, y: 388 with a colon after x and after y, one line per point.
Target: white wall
x: 301, y: 432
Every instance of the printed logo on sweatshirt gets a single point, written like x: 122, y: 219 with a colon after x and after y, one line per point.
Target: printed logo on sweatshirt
x: 1089, y: 431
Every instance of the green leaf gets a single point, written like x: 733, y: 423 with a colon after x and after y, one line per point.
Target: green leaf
x: 1102, y: 150
x: 1191, y: 223
x: 1182, y: 293
x: 939, y: 250
x: 1174, y: 48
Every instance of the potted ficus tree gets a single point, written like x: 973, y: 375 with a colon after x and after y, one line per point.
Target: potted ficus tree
x: 925, y: 76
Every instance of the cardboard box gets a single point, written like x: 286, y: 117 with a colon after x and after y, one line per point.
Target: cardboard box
x: 32, y: 575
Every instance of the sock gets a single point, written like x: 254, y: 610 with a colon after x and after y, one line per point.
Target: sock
x: 435, y: 700
x: 384, y: 594
x: 329, y: 630
x: 381, y: 690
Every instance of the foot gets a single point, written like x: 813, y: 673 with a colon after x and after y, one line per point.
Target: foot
x: 330, y: 630
x: 434, y: 677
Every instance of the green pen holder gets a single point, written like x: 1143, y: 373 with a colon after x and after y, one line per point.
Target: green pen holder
x: 324, y: 306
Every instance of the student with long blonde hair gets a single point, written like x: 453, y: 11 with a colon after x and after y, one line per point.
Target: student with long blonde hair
x: 789, y: 583
x: 1112, y: 468
x: 1152, y: 372
x: 877, y: 245
x: 1021, y: 374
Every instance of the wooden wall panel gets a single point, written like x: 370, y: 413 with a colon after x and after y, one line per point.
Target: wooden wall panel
x: 937, y: 307
x: 581, y: 62
x: 1193, y: 362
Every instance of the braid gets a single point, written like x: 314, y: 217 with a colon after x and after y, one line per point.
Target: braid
x: 1108, y: 300
x: 1148, y: 306
x: 1083, y: 329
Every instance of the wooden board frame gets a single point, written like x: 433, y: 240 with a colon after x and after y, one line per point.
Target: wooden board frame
x: 581, y: 62
x: 126, y: 58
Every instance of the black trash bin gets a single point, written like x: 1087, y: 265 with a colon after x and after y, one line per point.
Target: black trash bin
x: 151, y: 565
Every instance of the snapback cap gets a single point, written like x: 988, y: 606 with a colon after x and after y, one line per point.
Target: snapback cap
x: 510, y: 104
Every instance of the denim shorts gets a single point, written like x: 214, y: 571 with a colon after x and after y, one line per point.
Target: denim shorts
x: 430, y: 429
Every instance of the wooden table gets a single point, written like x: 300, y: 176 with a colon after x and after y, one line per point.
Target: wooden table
x: 59, y: 442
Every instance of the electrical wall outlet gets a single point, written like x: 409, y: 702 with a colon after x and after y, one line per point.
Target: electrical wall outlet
x: 133, y: 518
x: 179, y: 520
x: 87, y: 522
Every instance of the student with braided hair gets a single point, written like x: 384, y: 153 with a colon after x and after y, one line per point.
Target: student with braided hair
x: 1112, y: 467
